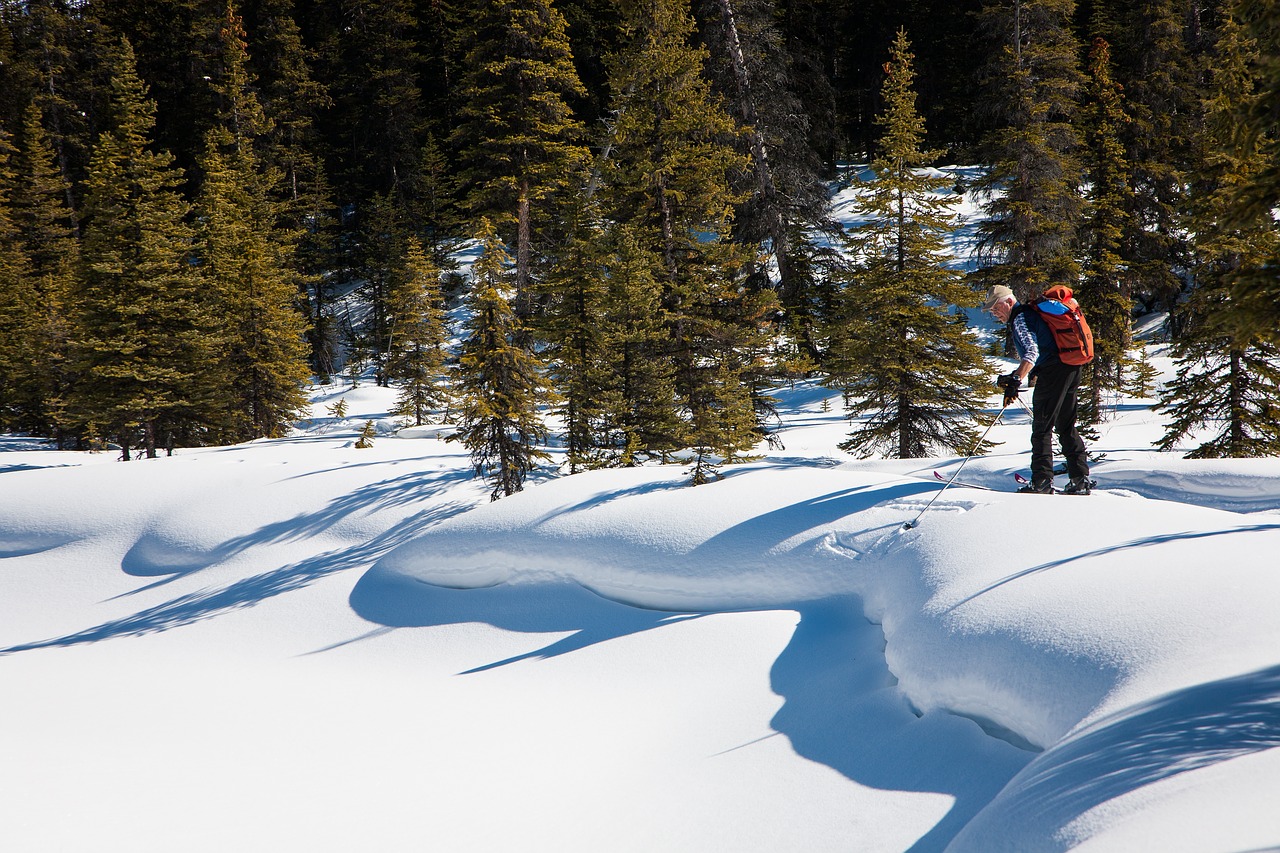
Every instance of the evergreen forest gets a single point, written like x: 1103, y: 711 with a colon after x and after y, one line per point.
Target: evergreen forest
x: 206, y: 205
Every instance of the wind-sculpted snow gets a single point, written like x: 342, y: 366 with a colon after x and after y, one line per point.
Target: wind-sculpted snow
x: 297, y: 644
x: 1084, y: 628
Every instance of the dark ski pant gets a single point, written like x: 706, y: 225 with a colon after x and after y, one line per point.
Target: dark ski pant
x: 1053, y: 410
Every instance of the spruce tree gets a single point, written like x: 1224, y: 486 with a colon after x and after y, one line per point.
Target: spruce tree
x: 142, y: 342
x: 18, y: 321
x: 1103, y: 292
x: 1158, y: 75
x: 668, y: 176
x: 519, y: 143
x: 636, y: 398
x: 46, y: 231
x: 245, y: 260
x: 902, y: 357
x: 416, y: 358
x: 294, y: 147
x: 1033, y: 206
x: 1258, y: 128
x: 1228, y: 374
x: 500, y: 384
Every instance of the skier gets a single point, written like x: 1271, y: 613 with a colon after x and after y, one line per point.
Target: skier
x: 1053, y: 400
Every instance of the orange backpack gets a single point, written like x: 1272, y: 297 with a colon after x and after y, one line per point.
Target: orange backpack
x: 1061, y: 313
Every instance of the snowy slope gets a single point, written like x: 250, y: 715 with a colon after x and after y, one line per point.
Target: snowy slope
x: 298, y: 645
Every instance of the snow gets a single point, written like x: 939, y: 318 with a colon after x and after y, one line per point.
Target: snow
x: 295, y: 644
x: 300, y: 645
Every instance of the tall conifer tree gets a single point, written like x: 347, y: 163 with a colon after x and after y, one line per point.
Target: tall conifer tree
x: 46, y: 229
x: 142, y: 337
x: 785, y: 197
x: 416, y: 358
x: 1258, y: 126
x: 668, y: 176
x: 1032, y: 186
x: 245, y: 257
x: 1161, y: 95
x: 1103, y: 291
x: 17, y: 300
x: 500, y: 384
x: 294, y: 147
x: 901, y: 356
x: 518, y: 140
x: 1228, y: 374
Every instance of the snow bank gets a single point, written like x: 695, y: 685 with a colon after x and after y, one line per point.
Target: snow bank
x: 1056, y: 623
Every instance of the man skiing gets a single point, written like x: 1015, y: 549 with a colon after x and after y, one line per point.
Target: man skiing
x: 1053, y: 400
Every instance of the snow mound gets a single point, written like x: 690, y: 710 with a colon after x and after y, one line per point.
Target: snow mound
x: 1090, y: 629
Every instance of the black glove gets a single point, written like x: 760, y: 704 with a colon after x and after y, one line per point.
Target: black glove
x: 1011, y: 383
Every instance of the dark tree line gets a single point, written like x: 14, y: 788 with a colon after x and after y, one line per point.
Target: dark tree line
x: 193, y: 194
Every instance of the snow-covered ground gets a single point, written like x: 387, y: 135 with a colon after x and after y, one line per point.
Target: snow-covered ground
x: 297, y: 645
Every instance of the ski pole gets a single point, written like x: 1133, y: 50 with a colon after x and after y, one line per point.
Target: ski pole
x: 913, y: 522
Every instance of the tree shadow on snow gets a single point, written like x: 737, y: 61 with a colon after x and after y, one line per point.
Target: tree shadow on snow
x: 247, y: 592
x: 153, y: 555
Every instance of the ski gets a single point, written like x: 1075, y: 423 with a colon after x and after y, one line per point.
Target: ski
x: 938, y: 475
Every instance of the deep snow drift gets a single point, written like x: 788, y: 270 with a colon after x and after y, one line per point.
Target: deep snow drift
x: 298, y: 645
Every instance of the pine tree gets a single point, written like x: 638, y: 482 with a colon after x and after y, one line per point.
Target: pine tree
x: 900, y: 355
x: 1032, y: 186
x: 46, y: 233
x: 294, y: 147
x: 244, y: 260
x: 1228, y: 374
x: 17, y: 301
x: 668, y: 176
x: 1102, y: 292
x: 1161, y: 98
x: 574, y: 325
x: 417, y: 341
x: 1258, y: 127
x: 142, y: 339
x: 518, y: 140
x: 500, y: 384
